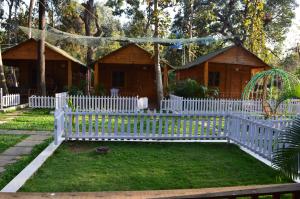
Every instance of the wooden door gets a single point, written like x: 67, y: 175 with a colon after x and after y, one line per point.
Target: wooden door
x: 146, y: 82
x: 239, y: 80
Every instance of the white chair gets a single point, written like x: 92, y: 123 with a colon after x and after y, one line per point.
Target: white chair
x: 114, y: 92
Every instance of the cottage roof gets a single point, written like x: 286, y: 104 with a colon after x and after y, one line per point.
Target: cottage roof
x: 138, y: 46
x: 48, y: 45
x: 214, y: 54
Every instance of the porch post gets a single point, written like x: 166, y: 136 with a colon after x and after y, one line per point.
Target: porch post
x: 206, y: 74
x: 96, y: 75
x: 165, y: 69
x: 69, y: 74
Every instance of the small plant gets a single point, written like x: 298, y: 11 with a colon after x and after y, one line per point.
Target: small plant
x: 190, y: 88
x: 74, y: 90
x: 73, y: 108
x: 287, y: 158
x: 100, y: 90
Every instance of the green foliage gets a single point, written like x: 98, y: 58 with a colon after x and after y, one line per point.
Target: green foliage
x: 74, y: 90
x: 287, y: 94
x: 252, y: 23
x: 190, y: 88
x: 100, y: 90
x: 287, y: 158
x: 148, y: 166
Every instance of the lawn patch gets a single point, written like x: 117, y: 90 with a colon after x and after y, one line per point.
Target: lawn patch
x: 7, y: 141
x: 31, y: 119
x: 75, y: 166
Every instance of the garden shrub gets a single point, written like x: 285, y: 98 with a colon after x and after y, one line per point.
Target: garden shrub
x: 190, y: 88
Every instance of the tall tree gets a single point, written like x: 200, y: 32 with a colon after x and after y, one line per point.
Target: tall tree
x: 159, y: 86
x: 155, y: 14
x: 89, y: 14
x: 9, y: 22
x: 41, y: 49
x: 139, y: 13
x: 254, y: 23
x: 31, y: 5
x: 2, y: 76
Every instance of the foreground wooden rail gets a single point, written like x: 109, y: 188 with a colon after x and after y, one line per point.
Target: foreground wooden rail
x: 253, y: 191
x: 276, y: 191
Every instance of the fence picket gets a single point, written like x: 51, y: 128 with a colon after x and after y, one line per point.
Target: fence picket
x: 189, y: 105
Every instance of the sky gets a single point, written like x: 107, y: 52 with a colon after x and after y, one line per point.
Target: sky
x: 293, y: 35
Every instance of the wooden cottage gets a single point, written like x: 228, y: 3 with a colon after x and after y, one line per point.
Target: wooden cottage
x: 62, y: 70
x: 130, y: 69
x: 228, y: 69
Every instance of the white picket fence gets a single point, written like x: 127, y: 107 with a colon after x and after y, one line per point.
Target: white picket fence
x: 41, y: 102
x: 189, y: 105
x: 59, y: 123
x: 111, y: 104
x: 9, y: 100
x: 143, y: 126
x: 90, y: 103
x: 257, y: 136
x: 61, y: 100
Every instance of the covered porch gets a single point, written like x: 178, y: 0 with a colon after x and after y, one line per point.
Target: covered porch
x: 129, y: 70
x: 228, y: 70
x: 62, y: 70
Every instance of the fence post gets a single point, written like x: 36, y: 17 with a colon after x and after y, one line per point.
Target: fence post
x: 1, y: 98
x: 59, y: 122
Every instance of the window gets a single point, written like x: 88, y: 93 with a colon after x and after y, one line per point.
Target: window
x: 214, y: 79
x: 118, y: 79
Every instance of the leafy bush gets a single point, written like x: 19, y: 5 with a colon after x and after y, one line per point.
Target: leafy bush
x: 100, y: 90
x: 190, y: 88
x: 287, y: 158
x: 74, y: 90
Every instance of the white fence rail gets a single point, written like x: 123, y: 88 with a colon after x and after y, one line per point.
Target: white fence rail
x: 256, y: 136
x: 143, y: 126
x: 61, y: 100
x: 9, y: 100
x: 111, y: 104
x: 189, y: 105
x: 59, y: 125
x: 41, y: 102
x: 90, y: 103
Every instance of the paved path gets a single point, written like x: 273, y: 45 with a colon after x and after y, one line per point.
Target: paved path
x: 13, y: 154
x: 24, y: 132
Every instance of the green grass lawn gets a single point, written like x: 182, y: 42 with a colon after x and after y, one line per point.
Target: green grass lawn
x: 31, y: 119
x: 7, y: 141
x: 75, y: 166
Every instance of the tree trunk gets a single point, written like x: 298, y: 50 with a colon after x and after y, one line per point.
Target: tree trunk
x: 31, y: 5
x: 191, y: 29
x: 10, y: 7
x: 159, y: 86
x: 2, y: 76
x: 89, y: 6
x: 41, y: 49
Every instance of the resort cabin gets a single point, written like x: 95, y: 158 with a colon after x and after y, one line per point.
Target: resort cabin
x: 131, y: 71
x: 62, y: 70
x: 228, y: 69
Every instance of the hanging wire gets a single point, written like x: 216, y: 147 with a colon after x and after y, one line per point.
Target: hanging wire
x: 55, y: 35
